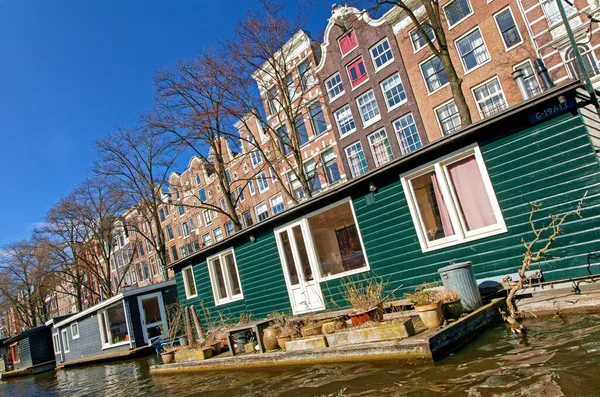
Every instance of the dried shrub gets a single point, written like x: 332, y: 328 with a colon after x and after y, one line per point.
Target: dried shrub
x: 363, y: 294
x: 423, y: 295
x: 448, y: 295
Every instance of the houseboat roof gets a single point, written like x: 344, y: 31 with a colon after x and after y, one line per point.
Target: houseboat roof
x: 24, y: 334
x: 116, y: 298
x: 413, y: 159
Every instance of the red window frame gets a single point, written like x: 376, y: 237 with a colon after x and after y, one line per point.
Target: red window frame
x: 12, y: 348
x: 348, y: 42
x: 359, y: 76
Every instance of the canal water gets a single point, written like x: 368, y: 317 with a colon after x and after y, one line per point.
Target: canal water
x: 558, y: 357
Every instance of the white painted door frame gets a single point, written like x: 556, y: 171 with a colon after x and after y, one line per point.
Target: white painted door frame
x: 163, y: 315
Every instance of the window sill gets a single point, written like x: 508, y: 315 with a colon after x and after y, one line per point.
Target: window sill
x: 115, y: 345
x: 360, y: 85
x: 345, y: 274
x: 396, y: 106
x: 499, y: 230
x: 331, y: 100
x: 372, y: 121
x: 513, y: 47
x: 347, y: 134
x: 224, y: 302
x: 384, y: 66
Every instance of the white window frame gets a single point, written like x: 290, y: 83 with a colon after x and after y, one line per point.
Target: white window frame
x: 337, y: 121
x: 56, y: 343
x: 101, y: 315
x: 73, y: 334
x: 413, y: 43
x: 460, y: 20
x: 373, y: 119
x: 207, y: 217
x: 186, y: 286
x: 215, y: 234
x: 389, y: 146
x: 534, y: 74
x: 444, y: 133
x: 516, y: 27
x: 398, y: 130
x: 251, y: 188
x: 462, y: 61
x: 389, y: 62
x: 226, y: 278
x: 65, y: 340
x: 262, y: 176
x: 477, y: 103
x: 331, y: 99
x: 425, y: 79
x: 275, y: 197
x: 385, y: 98
x: 205, y: 241
x: 348, y: 158
x: 461, y: 235
x: 256, y: 212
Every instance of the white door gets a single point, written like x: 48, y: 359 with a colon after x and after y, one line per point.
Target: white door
x: 152, y: 314
x: 299, y: 268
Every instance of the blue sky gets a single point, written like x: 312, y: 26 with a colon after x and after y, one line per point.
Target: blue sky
x: 70, y: 71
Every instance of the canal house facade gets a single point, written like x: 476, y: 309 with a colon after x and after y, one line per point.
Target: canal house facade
x: 464, y: 197
x: 123, y: 322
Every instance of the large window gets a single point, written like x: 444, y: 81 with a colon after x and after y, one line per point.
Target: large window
x: 393, y: 91
x: 255, y: 156
x: 589, y: 62
x: 380, y: 147
x: 224, y: 277
x: 306, y: 75
x: 207, y: 217
x: 189, y: 282
x: 382, y: 54
x: 367, y: 106
x: 345, y: 121
x: 434, y: 74
x: 453, y: 201
x: 356, y: 159
x: 472, y: 50
x: 337, y: 242
x: 508, y: 28
x: 202, y: 195
x: 335, y: 87
x: 456, y: 11
x: 417, y: 39
x: 301, y: 130
x: 317, y: 118
x: 113, y: 326
x: 284, y: 140
x: 357, y: 72
x: 448, y: 117
x: 273, y: 101
x: 348, y: 42
x: 332, y: 171
x: 261, y: 212
x: 408, y: 136
x: 490, y: 98
x: 276, y: 203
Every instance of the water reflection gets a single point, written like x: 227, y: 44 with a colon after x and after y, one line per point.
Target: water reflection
x: 556, y: 358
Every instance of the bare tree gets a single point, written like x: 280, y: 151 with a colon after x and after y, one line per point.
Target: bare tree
x: 140, y: 160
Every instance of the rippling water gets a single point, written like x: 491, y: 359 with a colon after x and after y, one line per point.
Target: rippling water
x: 558, y: 357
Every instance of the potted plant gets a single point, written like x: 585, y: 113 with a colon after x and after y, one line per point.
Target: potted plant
x: 366, y: 298
x: 427, y: 304
x: 451, y: 306
x: 272, y: 332
x: 288, y: 332
x: 310, y: 326
x: 175, y: 322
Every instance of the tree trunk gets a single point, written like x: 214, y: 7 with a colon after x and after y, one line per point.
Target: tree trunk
x: 456, y: 87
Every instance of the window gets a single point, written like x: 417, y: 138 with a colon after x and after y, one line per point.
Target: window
x: 357, y: 73
x: 170, y: 232
x: 472, y: 50
x: 153, y: 267
x: 284, y: 140
x: 141, y: 248
x: 251, y: 187
x: 224, y: 277
x: 261, y: 212
x: 113, y: 326
x: 306, y: 76
x: 199, y: 219
x: 367, y: 106
x: 202, y: 195
x: 189, y: 282
x: 332, y: 171
x: 65, y: 340
x: 229, y: 228
x: 448, y: 118
x: 301, y: 130
x: 407, y: 134
x: 191, y: 222
x: 418, y: 41
x: 356, y: 159
x: 247, y: 218
x: 180, y: 209
x: 186, y: 229
x: 380, y: 147
x: 263, y: 182
x: 348, y: 42
x: 273, y: 101
x: 56, y: 343
x: 553, y: 13
x: 295, y: 185
x: 490, y: 98
x: 508, y: 28
x: 452, y: 201
x: 335, y: 87
x: 434, y: 74
x: 161, y: 213
x: 345, y: 121
x: 178, y: 228
x: 240, y: 194
x: 207, y: 217
x: 317, y: 118
x: 198, y: 180
x: 291, y: 87
x: 276, y: 203
x: 312, y: 176
x: 393, y: 91
x: 531, y: 82
x: 589, y: 62
x: 382, y: 54
x: 456, y: 11
x: 255, y: 156
x: 15, y: 351
x: 206, y: 239
x: 218, y: 234
x: 228, y: 176
x: 145, y: 269
x: 223, y: 206
x: 75, y: 330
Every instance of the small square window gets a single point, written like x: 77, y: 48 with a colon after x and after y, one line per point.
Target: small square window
x: 335, y: 88
x: 348, y: 42
x: 472, y: 50
x: 367, y: 106
x: 276, y: 203
x: 393, y: 91
x: 434, y: 74
x: 448, y: 118
x: 356, y: 159
x: 490, y: 98
x: 456, y: 11
x: 218, y: 234
x: 382, y: 54
x: 261, y: 212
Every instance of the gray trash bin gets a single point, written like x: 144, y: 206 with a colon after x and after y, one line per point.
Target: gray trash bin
x: 461, y: 277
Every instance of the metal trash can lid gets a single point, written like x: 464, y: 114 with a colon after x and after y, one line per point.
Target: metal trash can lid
x: 455, y: 267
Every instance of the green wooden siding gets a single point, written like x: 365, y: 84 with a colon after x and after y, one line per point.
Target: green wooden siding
x: 553, y: 163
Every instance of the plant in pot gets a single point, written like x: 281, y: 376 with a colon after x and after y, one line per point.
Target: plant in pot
x: 427, y: 304
x: 451, y: 306
x: 272, y: 332
x: 176, y: 328
x: 289, y: 331
x: 310, y: 326
x: 366, y: 298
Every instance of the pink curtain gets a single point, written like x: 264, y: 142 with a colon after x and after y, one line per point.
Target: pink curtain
x: 473, y: 200
x: 443, y: 209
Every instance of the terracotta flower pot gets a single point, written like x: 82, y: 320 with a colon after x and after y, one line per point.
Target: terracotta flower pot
x: 311, y: 330
x: 374, y: 314
x: 452, y: 310
x: 431, y: 314
x: 168, y: 357
x: 281, y: 341
x: 270, y: 335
